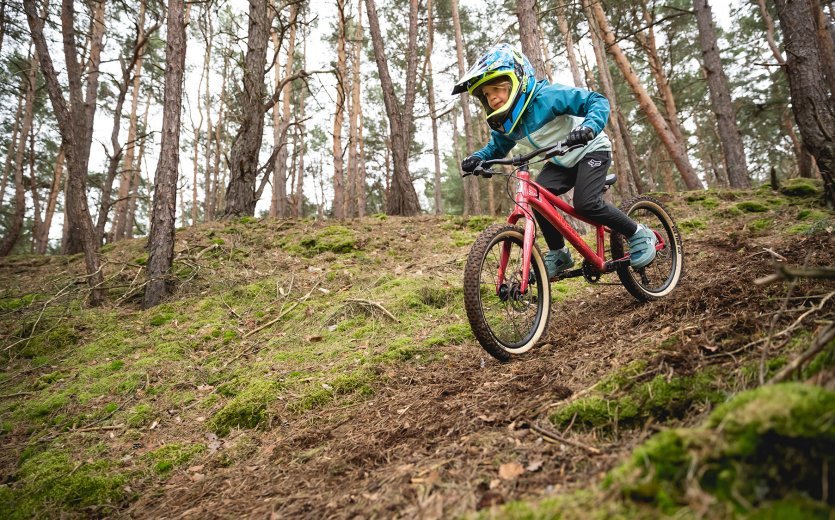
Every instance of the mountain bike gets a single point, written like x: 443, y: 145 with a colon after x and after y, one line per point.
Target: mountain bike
x: 507, y: 294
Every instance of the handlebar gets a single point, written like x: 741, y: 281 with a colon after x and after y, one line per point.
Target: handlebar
x: 557, y: 150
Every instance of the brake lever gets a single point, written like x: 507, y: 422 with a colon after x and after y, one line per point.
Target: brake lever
x: 560, y: 150
x: 481, y: 172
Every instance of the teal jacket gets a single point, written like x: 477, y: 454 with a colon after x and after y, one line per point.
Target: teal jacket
x: 553, y: 112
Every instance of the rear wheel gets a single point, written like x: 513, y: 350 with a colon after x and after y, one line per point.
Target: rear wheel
x: 660, y: 277
x: 505, y: 321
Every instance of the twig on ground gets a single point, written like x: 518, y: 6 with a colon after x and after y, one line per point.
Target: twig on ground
x: 822, y: 339
x: 16, y: 394
x: 556, y: 438
x: 787, y: 272
x: 283, y: 313
x: 374, y: 305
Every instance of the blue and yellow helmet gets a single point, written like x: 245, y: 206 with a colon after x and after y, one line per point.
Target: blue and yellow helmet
x: 501, y: 61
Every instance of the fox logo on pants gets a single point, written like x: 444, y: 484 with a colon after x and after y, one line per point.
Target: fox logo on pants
x: 594, y: 164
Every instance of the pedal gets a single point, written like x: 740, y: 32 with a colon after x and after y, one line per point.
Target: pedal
x: 574, y: 273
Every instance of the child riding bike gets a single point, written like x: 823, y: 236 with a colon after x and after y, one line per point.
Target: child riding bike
x: 529, y: 113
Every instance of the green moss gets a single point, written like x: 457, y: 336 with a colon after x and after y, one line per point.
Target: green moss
x: 247, y: 220
x: 35, y: 409
x: 50, y: 483
x: 246, y: 410
x: 58, y: 338
x: 161, y: 318
x: 480, y: 223
x: 709, y: 203
x: 756, y: 454
x: 357, y: 382
x: 12, y: 304
x: 658, y: 398
x: 139, y: 415
x: 336, y: 239
x: 751, y: 206
x: 825, y: 359
x: 454, y: 334
x: 800, y: 187
x: 170, y: 456
x: 760, y: 224
x: 691, y: 224
x: 729, y: 212
x: 811, y: 214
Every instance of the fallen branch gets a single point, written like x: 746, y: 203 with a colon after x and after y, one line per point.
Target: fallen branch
x: 787, y: 272
x: 823, y: 339
x: 556, y: 438
x: 98, y: 428
x: 374, y: 305
x: 16, y: 394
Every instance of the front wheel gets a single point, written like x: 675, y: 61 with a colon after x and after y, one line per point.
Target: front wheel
x: 660, y: 277
x: 505, y: 320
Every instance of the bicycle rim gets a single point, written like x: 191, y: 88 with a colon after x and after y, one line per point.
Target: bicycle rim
x: 513, y: 319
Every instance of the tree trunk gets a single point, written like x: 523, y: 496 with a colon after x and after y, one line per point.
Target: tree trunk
x: 243, y: 158
x: 720, y: 99
x: 299, y: 207
x: 353, y: 123
x: 675, y: 148
x: 430, y: 87
x: 621, y: 162
x: 562, y: 23
x: 161, y: 237
x: 11, y: 150
x: 631, y: 154
x: 207, y: 152
x: 647, y: 41
x: 75, y: 122
x: 127, y: 175
x: 27, y: 85
x: 42, y: 237
x: 825, y: 44
x: 136, y: 179
x: 472, y: 202
x: 402, y: 197
x: 812, y: 103
x: 216, y: 200
x: 278, y: 207
x: 338, y: 161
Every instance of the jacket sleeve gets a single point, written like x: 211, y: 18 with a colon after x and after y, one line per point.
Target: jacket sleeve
x: 579, y: 102
x: 497, y: 148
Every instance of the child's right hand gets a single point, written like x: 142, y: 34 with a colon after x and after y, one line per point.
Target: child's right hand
x: 471, y: 163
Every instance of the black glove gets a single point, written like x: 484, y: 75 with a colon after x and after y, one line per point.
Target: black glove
x: 580, y: 135
x: 471, y: 163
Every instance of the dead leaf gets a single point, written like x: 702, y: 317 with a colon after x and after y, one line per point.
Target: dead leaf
x: 314, y: 339
x: 534, y: 465
x: 154, y: 425
x: 197, y: 477
x: 510, y: 470
x: 195, y: 469
x: 487, y: 418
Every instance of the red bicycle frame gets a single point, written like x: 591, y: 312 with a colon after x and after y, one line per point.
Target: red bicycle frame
x: 530, y: 194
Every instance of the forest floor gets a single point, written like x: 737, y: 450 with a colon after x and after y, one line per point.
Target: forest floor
x: 311, y: 370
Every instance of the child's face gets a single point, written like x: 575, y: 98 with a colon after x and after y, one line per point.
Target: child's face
x: 496, y: 95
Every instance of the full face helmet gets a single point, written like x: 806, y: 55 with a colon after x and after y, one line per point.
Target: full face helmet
x: 501, y: 62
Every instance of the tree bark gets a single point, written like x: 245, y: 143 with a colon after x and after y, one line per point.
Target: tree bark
x: 562, y: 23
x: 621, y: 163
x: 338, y: 161
x: 720, y: 98
x: 825, y: 44
x: 631, y: 154
x: 161, y: 237
x: 243, y: 158
x: 75, y: 122
x: 11, y: 150
x: 472, y: 202
x: 207, y: 151
x: 27, y: 85
x: 136, y: 180
x: 430, y: 87
x: 216, y: 200
x: 402, y: 197
x: 298, y: 210
x: 812, y: 103
x: 278, y: 206
x: 358, y: 186
x: 127, y: 175
x: 675, y: 148
x: 42, y: 236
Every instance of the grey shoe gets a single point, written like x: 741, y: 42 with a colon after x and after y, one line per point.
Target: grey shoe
x: 557, y: 261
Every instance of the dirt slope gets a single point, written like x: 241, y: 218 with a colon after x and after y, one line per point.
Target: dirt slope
x: 337, y: 411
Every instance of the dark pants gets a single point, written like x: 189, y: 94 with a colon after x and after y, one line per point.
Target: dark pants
x: 587, y: 178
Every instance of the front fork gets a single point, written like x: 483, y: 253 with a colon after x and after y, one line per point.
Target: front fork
x: 522, y: 210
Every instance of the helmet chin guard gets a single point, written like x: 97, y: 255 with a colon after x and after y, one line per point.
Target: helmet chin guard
x: 501, y: 62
